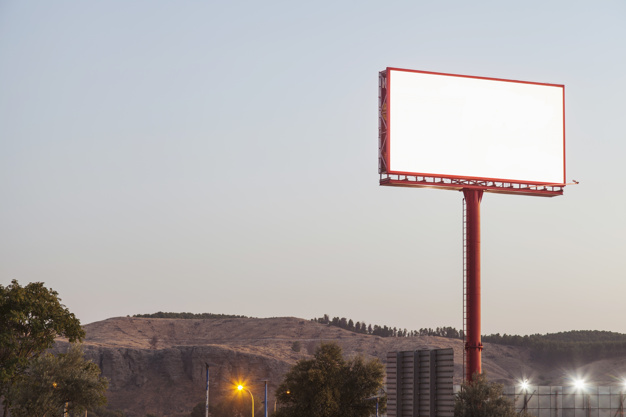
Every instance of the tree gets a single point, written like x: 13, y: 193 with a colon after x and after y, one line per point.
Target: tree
x: 154, y: 341
x: 54, y: 383
x: 199, y: 410
x: 30, y: 319
x: 480, y: 398
x: 329, y: 386
x: 296, y: 346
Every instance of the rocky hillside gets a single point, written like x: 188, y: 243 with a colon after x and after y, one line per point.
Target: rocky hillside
x: 157, y: 366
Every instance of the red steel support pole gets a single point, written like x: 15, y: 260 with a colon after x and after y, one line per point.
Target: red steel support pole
x: 473, y: 345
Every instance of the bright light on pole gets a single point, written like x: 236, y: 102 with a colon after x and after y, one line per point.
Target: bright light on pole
x: 524, y: 385
x: 241, y: 388
x: 579, y: 384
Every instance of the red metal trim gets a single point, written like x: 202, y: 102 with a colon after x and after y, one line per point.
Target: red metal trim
x: 474, y: 76
x: 564, y: 159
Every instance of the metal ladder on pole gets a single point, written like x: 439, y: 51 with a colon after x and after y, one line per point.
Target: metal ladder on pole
x: 464, y: 232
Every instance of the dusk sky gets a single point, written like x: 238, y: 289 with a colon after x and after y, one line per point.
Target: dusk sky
x: 221, y: 157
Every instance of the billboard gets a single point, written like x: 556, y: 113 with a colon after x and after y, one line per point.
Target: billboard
x: 492, y: 132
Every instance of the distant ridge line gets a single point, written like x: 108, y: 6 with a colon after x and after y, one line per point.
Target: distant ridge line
x: 186, y: 316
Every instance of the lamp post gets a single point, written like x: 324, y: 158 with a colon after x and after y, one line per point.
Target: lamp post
x: 207, y: 391
x: 377, y: 398
x: 525, y: 387
x: 207, y: 366
x: 265, y: 402
x: 55, y: 386
x: 241, y: 388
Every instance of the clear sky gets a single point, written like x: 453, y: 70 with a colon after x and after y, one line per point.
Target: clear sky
x: 221, y: 156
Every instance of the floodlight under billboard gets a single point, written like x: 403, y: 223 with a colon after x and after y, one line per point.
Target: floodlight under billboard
x: 455, y: 131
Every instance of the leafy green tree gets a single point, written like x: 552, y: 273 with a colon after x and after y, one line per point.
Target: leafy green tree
x: 54, y: 383
x: 30, y: 319
x: 329, y: 386
x: 481, y: 398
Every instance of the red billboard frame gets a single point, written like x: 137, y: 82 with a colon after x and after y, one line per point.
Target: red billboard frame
x: 390, y: 177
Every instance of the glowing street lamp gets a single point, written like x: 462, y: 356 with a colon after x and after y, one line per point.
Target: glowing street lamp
x: 55, y: 386
x: 241, y: 388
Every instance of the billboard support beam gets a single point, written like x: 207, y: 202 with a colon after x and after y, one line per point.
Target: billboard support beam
x: 473, y: 345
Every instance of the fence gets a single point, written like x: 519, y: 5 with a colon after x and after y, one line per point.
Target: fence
x: 558, y: 401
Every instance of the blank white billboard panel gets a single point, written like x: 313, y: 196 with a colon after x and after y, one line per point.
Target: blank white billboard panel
x: 469, y: 127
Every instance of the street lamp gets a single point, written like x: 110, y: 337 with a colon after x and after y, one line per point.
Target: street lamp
x: 206, y: 411
x: 265, y: 381
x: 276, y: 399
x: 241, y: 388
x: 207, y: 364
x: 525, y: 386
x: 55, y: 386
x: 377, y: 398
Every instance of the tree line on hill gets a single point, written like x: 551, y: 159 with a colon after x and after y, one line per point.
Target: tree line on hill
x: 557, y: 348
x: 572, y: 346
x: 188, y: 316
x: 387, y: 331
x: 346, y: 324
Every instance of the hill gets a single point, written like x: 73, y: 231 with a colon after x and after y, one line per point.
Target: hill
x: 157, y: 365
